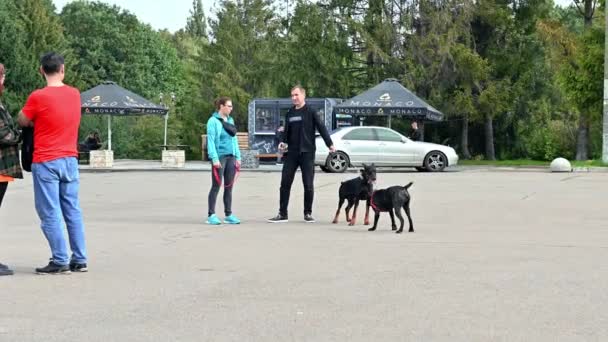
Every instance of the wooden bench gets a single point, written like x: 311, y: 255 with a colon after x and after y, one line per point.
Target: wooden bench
x: 268, y: 155
x: 242, y: 137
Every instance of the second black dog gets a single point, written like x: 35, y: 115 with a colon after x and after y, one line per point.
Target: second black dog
x: 355, y: 190
x: 392, y: 199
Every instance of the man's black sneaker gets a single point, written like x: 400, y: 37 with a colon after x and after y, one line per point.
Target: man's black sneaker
x: 278, y: 219
x: 308, y: 218
x: 75, y: 267
x: 53, y: 268
x: 3, y: 266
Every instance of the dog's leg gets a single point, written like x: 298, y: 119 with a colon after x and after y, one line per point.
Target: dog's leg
x: 367, y: 206
x: 340, y: 203
x: 376, y: 217
x: 406, y: 207
x: 353, y: 219
x: 401, y: 220
x: 393, y: 225
x: 347, y: 210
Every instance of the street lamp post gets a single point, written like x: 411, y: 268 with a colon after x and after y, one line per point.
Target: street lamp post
x: 167, y: 115
x: 605, y: 130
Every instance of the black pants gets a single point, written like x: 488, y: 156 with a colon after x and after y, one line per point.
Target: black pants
x: 226, y: 173
x: 306, y: 162
x: 3, y: 186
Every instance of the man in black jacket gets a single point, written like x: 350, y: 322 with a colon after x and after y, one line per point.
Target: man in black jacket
x: 415, y: 132
x: 298, y: 144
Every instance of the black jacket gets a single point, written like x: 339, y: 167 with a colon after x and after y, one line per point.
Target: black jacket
x: 415, y: 134
x: 278, y: 136
x: 27, y: 148
x: 310, y: 124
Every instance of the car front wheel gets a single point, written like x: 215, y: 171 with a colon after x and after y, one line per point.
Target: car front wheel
x: 435, y: 161
x: 337, y: 162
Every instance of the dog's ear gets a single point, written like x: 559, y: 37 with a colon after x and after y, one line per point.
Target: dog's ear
x: 373, y: 165
x: 364, y: 166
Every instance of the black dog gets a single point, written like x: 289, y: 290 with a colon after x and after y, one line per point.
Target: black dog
x: 393, y: 198
x: 354, y: 190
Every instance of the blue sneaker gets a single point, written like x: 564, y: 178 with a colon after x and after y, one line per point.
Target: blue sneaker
x: 214, y: 220
x: 231, y: 219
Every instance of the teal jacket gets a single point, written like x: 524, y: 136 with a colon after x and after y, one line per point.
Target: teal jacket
x: 220, y: 143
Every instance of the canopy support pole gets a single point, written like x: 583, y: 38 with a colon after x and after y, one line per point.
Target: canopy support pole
x: 389, y: 120
x: 166, y: 119
x: 110, y: 132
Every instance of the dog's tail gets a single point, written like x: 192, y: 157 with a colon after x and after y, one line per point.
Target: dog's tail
x: 408, y: 186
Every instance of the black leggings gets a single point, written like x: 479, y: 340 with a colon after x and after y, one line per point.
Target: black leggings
x: 227, y: 173
x: 3, y: 186
x: 306, y: 162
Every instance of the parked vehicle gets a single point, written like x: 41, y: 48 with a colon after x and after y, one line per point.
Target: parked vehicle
x: 384, y: 147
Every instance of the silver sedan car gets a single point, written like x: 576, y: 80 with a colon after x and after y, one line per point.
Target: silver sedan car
x: 382, y: 146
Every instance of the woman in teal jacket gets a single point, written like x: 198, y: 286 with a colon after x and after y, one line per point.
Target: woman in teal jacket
x: 225, y: 156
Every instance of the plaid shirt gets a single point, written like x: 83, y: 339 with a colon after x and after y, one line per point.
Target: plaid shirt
x: 9, y: 145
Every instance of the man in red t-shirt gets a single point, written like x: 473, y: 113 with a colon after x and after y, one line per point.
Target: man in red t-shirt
x: 54, y: 112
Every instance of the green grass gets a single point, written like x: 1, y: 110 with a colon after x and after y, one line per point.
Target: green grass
x: 595, y: 163
x: 527, y: 162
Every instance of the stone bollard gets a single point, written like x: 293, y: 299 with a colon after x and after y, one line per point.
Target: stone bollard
x: 173, y: 158
x: 101, y: 159
x: 560, y: 165
x: 249, y: 159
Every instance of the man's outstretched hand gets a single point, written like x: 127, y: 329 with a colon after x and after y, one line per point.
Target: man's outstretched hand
x: 332, y: 149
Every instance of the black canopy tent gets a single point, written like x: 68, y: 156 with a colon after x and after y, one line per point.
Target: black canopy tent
x: 110, y: 99
x: 389, y: 98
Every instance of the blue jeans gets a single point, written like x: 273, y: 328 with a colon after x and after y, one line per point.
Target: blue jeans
x: 56, y: 185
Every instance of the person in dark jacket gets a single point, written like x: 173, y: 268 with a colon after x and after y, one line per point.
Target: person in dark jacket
x: 298, y: 145
x: 91, y: 143
x: 415, y: 134
x: 10, y: 168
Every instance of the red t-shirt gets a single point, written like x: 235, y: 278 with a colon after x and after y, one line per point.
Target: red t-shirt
x: 55, y: 112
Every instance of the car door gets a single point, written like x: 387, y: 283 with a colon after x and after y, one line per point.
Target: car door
x: 395, y: 149
x: 361, y: 144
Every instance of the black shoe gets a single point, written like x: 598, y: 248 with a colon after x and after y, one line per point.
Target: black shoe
x: 75, y: 267
x: 309, y: 219
x: 278, y: 219
x: 3, y: 266
x: 53, y: 268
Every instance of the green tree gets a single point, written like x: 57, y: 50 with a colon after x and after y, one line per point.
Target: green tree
x: 192, y: 107
x: 577, y: 55
x: 12, y: 48
x: 442, y: 65
x: 242, y: 59
x: 29, y: 29
x: 196, y: 25
x: 315, y: 54
x: 471, y: 73
x: 111, y: 44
